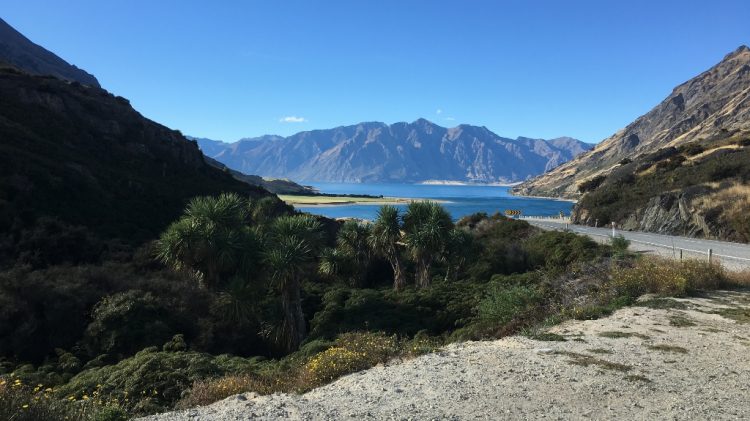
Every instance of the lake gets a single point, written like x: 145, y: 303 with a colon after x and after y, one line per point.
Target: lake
x: 461, y: 200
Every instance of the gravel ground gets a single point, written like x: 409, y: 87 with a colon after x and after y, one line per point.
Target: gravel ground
x: 640, y: 363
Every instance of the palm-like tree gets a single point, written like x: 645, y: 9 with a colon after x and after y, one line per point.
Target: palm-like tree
x: 384, y: 239
x: 212, y: 239
x: 352, y: 243
x: 458, y: 249
x: 332, y: 264
x: 293, y: 243
x: 427, y: 226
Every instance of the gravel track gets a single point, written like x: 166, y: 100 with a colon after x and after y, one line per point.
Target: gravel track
x: 639, y: 363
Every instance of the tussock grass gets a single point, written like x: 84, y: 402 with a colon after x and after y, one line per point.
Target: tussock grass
x: 679, y: 320
x: 588, y: 360
x: 637, y: 378
x: 662, y: 304
x: 738, y: 314
x: 616, y: 334
x: 668, y: 348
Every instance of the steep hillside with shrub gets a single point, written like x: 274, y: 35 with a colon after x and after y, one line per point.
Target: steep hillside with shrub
x: 700, y: 189
x: 86, y: 158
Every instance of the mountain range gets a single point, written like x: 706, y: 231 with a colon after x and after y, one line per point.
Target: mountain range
x: 682, y: 168
x: 402, y: 152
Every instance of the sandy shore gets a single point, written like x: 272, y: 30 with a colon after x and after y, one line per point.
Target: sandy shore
x: 326, y: 201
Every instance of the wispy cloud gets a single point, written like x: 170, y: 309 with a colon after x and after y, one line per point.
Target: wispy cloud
x: 450, y: 119
x: 439, y: 111
x: 292, y: 119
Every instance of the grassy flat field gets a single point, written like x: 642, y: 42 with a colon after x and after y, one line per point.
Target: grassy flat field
x: 339, y: 200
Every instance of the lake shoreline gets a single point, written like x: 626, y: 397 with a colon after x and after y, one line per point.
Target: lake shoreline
x: 458, y: 200
x: 317, y: 201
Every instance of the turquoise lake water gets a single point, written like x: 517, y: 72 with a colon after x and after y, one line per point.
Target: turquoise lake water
x: 460, y: 200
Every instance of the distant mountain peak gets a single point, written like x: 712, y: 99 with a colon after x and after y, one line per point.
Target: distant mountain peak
x: 400, y: 152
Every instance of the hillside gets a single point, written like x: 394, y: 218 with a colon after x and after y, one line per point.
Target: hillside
x: 211, y: 147
x: 698, y: 189
x: 87, y: 157
x: 401, y: 152
x: 709, y: 106
x: 19, y: 51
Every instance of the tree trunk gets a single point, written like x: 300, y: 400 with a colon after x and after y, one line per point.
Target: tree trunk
x: 399, y: 280
x: 423, y: 272
x: 294, y: 317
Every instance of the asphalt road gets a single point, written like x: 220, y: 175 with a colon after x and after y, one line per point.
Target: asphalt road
x: 732, y: 255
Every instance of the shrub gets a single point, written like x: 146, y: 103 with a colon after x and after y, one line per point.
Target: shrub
x: 502, y: 304
x: 352, y: 352
x: 557, y: 250
x: 151, y: 380
x: 591, y: 184
x: 127, y: 322
x: 619, y: 245
x: 666, y: 278
x: 26, y: 403
x: 206, y: 392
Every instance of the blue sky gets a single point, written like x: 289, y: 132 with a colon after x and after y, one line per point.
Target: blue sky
x: 232, y: 69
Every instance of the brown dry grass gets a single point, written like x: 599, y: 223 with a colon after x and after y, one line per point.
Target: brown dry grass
x: 740, y: 279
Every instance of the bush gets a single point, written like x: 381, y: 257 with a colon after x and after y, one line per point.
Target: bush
x: 591, y: 184
x: 666, y: 278
x: 619, y: 245
x: 20, y: 402
x: 127, y: 322
x: 206, y: 392
x: 352, y: 352
x: 153, y: 380
x: 557, y: 250
x: 502, y: 304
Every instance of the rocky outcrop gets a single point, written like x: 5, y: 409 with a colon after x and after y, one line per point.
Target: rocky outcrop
x: 716, y: 101
x: 401, y: 152
x: 670, y: 214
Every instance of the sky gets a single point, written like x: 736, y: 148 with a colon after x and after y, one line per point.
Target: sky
x: 232, y: 69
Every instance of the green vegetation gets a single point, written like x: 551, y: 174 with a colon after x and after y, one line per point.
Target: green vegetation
x: 711, y: 175
x: 240, y: 295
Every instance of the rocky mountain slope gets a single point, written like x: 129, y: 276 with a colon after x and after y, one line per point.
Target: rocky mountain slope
x: 683, y: 168
x: 19, y: 51
x: 684, y: 360
x: 401, y: 152
x: 712, y: 104
x: 273, y: 185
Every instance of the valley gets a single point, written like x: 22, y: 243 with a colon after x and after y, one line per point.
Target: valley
x: 346, y: 267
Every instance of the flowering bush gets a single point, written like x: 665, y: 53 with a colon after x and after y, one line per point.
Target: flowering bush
x: 21, y: 402
x: 352, y: 352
